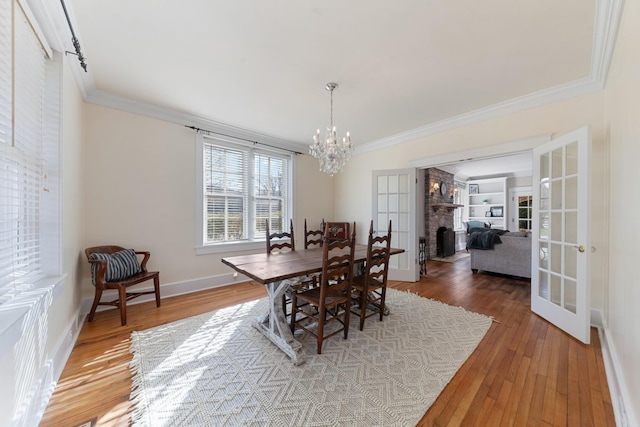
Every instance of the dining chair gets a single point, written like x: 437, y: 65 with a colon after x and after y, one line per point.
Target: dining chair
x: 338, y: 230
x: 280, y: 244
x: 327, y: 304
x: 370, y: 287
x: 298, y: 283
x: 313, y: 238
x: 114, y: 267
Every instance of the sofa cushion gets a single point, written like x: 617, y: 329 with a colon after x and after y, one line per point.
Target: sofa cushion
x: 120, y: 265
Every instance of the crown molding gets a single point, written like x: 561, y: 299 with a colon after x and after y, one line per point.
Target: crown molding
x: 492, y: 151
x: 107, y: 99
x: 607, y: 21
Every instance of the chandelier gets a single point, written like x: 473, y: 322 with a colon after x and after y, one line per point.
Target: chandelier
x: 330, y: 152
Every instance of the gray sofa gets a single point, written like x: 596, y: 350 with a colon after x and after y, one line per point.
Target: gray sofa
x: 512, y: 256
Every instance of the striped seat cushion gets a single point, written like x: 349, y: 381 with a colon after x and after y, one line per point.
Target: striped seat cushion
x: 120, y: 265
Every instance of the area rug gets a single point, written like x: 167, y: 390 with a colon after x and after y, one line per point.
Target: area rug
x: 453, y: 258
x: 215, y: 369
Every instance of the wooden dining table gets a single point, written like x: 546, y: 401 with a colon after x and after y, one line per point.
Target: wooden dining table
x: 277, y: 271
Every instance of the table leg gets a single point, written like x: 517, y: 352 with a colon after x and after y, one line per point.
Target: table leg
x: 274, y: 325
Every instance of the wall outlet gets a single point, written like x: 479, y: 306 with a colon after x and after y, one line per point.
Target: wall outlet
x: 235, y: 275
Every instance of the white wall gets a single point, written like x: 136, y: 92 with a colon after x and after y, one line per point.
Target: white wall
x: 140, y: 193
x: 622, y: 114
x: 353, y: 194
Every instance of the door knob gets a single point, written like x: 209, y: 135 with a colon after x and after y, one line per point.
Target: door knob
x: 580, y: 248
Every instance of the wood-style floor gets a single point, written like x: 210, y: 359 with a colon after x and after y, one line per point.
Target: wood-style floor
x: 525, y: 372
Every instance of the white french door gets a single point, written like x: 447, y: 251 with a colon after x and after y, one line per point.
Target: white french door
x: 394, y: 198
x: 561, y: 244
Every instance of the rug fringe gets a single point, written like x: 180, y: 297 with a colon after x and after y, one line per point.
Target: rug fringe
x: 444, y: 303
x: 137, y: 389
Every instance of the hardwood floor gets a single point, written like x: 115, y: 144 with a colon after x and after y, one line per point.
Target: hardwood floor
x: 524, y: 372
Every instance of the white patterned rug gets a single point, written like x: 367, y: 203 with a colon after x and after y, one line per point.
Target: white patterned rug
x: 215, y: 369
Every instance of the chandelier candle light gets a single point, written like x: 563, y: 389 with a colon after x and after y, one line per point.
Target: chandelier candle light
x: 330, y: 152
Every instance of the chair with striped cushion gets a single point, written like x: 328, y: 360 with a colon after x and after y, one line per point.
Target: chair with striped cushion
x: 115, y: 267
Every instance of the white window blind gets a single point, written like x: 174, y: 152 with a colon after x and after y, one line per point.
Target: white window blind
x: 23, y: 63
x: 243, y: 186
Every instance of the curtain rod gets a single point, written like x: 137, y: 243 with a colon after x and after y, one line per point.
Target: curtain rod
x: 210, y: 132
x: 74, y: 40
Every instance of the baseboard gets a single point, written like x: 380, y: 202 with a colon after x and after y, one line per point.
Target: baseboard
x: 171, y: 289
x: 620, y: 399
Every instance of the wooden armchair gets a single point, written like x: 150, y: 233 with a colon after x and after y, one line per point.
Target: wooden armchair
x: 114, y: 267
x: 370, y: 288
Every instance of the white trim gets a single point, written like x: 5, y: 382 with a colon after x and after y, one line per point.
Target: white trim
x: 607, y: 19
x: 606, y: 23
x: 122, y: 103
x: 17, y: 316
x: 621, y: 400
x: 228, y: 247
x: 35, y: 25
x: 171, y: 289
x: 495, y: 150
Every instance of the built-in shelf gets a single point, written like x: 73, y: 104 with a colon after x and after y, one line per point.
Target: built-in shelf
x: 487, y: 201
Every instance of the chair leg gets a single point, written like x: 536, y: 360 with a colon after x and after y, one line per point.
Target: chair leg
x: 294, y: 312
x: 363, y: 309
x: 156, y: 286
x: 382, y: 298
x: 321, y: 319
x: 122, y: 293
x: 347, y: 316
x: 284, y: 304
x: 96, y: 300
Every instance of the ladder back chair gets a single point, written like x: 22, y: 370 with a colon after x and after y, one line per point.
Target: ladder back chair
x: 337, y: 230
x: 296, y: 284
x: 313, y: 238
x: 328, y: 303
x: 370, y: 288
x: 114, y: 267
x: 280, y: 244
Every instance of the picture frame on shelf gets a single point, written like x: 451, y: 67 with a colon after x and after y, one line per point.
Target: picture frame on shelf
x: 488, y: 213
x: 474, y: 189
x: 496, y: 211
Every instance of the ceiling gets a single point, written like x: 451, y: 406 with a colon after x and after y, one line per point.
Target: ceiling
x: 403, y: 70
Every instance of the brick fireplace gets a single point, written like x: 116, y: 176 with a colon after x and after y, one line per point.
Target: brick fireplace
x: 438, y: 207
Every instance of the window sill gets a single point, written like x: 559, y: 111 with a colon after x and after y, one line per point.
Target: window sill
x: 229, y: 247
x: 21, y: 313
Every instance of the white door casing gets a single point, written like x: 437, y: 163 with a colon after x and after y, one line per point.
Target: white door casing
x: 560, y: 239
x: 394, y: 198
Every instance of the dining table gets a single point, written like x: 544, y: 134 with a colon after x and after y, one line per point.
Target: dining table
x: 277, y: 272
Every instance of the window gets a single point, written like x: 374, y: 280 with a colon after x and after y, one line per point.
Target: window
x: 242, y: 186
x: 29, y: 141
x: 525, y: 209
x: 459, y: 189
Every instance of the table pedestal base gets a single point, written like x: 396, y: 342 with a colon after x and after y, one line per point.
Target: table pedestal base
x: 274, y: 325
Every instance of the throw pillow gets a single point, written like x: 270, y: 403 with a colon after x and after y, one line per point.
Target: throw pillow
x: 475, y: 224
x: 120, y: 265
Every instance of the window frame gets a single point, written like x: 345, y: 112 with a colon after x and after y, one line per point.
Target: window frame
x: 252, y: 242
x: 45, y: 264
